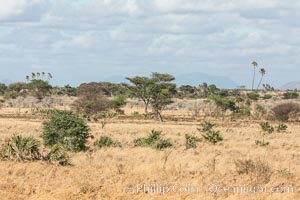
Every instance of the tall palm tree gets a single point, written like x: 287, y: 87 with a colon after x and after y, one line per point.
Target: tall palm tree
x: 33, y: 76
x: 262, y: 73
x: 49, y: 76
x: 27, y: 78
x: 38, y: 74
x: 254, y: 67
x: 43, y: 75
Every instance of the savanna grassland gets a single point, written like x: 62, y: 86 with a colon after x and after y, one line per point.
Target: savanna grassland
x: 120, y: 172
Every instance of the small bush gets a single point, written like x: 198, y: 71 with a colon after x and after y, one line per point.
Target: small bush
x: 105, y: 141
x: 261, y: 143
x: 266, y: 127
x: 281, y: 128
x: 206, y: 126
x: 253, y: 96
x: 282, y: 111
x: 290, y: 95
x: 191, y: 141
x: 267, y: 96
x: 20, y: 149
x: 58, y: 156
x: 163, y: 144
x: 153, y: 140
x: 67, y: 129
x: 213, y: 136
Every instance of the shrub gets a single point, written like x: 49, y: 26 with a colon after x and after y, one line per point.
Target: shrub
x: 15, y: 90
x: 153, y: 140
x: 39, y: 88
x: 3, y: 87
x: 58, y: 156
x: 266, y: 127
x: 64, y: 127
x: 191, y: 141
x: 282, y: 128
x: 163, y: 144
x: 253, y: 96
x: 290, y: 95
x: 21, y: 148
x: 213, y: 136
x: 91, y: 99
x: 267, y: 96
x: 282, y: 111
x: 118, y: 102
x: 105, y: 141
x: 261, y: 143
x: 206, y: 126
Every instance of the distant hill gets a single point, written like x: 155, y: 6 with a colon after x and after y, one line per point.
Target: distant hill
x: 198, y: 78
x: 295, y: 85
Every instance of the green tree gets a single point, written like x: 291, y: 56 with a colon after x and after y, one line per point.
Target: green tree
x: 3, y: 87
x: 39, y: 88
x: 142, y: 89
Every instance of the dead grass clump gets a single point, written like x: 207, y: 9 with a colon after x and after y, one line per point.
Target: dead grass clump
x: 259, y: 170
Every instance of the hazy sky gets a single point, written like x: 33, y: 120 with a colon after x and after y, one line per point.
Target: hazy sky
x: 89, y: 40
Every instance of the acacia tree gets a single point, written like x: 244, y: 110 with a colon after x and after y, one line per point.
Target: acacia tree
x: 142, y: 89
x: 156, y: 90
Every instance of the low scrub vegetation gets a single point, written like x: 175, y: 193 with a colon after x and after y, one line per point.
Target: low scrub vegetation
x: 105, y: 141
x: 153, y: 140
x: 20, y: 148
x: 209, y: 134
x: 283, y: 112
x: 58, y: 156
x: 191, y: 141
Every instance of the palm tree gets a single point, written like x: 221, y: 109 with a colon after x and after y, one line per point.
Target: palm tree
x: 254, y: 67
x: 38, y: 75
x: 262, y: 73
x: 43, y: 75
x: 49, y: 76
x: 27, y: 78
x: 33, y: 76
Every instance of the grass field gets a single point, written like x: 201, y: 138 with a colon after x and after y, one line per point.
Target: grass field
x: 207, y: 172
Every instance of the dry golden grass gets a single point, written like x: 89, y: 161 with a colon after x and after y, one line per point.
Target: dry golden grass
x: 106, y: 173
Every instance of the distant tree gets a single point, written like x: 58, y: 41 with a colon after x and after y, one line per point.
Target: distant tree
x: 156, y: 90
x: 33, y: 76
x: 49, y: 76
x: 162, y: 92
x: 39, y: 88
x: 91, y: 99
x: 142, y: 89
x: 15, y: 90
x: 254, y: 63
x: 262, y: 73
x: 38, y: 74
x: 43, y: 75
x: 3, y: 87
x: 27, y: 78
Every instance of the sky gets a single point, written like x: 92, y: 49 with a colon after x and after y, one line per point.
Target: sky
x: 90, y: 40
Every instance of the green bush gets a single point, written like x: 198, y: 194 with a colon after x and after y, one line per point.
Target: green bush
x: 206, y: 126
x: 153, y: 140
x: 266, y: 127
x: 118, y: 102
x: 267, y: 96
x: 282, y: 128
x: 290, y: 95
x: 191, y: 141
x: 163, y: 144
x: 261, y: 143
x: 58, y: 156
x: 20, y: 149
x: 213, y: 136
x: 253, y: 96
x: 105, y: 141
x: 66, y: 128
